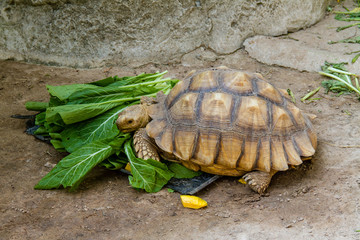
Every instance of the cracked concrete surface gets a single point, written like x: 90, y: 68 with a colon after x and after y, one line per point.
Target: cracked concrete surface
x: 93, y: 33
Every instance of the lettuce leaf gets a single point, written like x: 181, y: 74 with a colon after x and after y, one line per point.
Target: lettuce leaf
x: 149, y: 175
x: 71, y: 170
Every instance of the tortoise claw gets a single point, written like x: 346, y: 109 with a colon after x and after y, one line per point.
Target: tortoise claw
x: 258, y: 181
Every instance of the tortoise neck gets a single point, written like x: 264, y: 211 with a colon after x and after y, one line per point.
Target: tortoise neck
x: 145, y: 119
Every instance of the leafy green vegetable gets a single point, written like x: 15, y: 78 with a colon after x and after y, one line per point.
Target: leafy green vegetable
x: 149, y: 175
x: 71, y: 170
x: 80, y: 119
x: 65, y: 91
x: 341, y: 81
x: 114, y: 162
x: 182, y: 172
x: 102, y: 126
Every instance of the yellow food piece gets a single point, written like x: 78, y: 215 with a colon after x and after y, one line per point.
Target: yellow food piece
x: 128, y: 167
x: 241, y: 180
x: 194, y: 202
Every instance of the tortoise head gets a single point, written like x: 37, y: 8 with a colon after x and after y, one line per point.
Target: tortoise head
x: 133, y: 118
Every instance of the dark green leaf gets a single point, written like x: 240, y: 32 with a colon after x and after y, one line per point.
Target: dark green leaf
x: 182, y: 172
x: 71, y: 170
x: 102, y: 126
x: 79, y: 112
x: 104, y: 82
x: 114, y: 163
x: 63, y: 92
x: 40, y: 118
x: 149, y: 175
x: 355, y: 58
x: 57, y: 144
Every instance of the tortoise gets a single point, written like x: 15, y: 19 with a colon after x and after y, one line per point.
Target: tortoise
x: 223, y: 121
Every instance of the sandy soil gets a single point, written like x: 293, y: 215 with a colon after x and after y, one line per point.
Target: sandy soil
x: 320, y: 200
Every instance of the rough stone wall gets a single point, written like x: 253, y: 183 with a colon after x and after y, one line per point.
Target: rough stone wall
x: 95, y: 33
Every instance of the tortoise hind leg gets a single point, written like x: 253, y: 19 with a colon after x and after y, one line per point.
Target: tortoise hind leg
x: 259, y: 181
x: 144, y: 146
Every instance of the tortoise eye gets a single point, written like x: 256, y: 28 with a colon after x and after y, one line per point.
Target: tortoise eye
x: 130, y: 121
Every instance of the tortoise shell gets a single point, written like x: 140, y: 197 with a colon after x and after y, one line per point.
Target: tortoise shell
x: 224, y: 121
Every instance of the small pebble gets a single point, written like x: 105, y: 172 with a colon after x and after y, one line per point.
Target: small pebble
x: 49, y: 165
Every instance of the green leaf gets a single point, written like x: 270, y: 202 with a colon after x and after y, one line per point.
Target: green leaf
x: 78, y: 134
x: 355, y: 58
x: 57, y: 144
x: 79, y: 112
x: 114, y: 163
x: 40, y: 118
x: 104, y: 82
x: 71, y: 170
x: 111, y: 92
x: 63, y: 92
x: 149, y: 175
x: 182, y: 172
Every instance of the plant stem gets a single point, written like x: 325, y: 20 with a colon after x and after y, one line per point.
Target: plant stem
x: 36, y: 106
x: 144, y: 83
x: 347, y: 26
x: 357, y: 83
x: 310, y: 94
x: 341, y: 71
x: 341, y: 80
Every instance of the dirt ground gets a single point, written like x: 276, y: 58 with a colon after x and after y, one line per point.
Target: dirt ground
x: 320, y: 200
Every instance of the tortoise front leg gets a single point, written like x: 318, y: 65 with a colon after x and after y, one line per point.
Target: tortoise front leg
x: 259, y: 181
x: 144, y: 146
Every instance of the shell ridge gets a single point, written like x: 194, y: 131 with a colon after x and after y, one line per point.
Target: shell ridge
x: 196, y: 144
x: 186, y: 83
x: 257, y: 154
x: 198, y: 107
x: 278, y: 158
x: 218, y: 145
x: 295, y: 145
x: 285, y: 107
x: 270, y: 116
x: 241, y: 154
x: 271, y: 153
x: 255, y: 88
x: 285, y: 153
x: 173, y: 132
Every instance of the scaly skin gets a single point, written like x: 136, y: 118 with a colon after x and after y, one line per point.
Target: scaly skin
x: 145, y: 148
x: 259, y: 181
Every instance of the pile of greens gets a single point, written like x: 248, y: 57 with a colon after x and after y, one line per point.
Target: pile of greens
x: 80, y: 120
x: 341, y: 80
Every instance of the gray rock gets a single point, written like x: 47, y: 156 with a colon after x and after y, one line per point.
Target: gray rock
x: 99, y: 33
x: 296, y: 54
x: 308, y: 49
